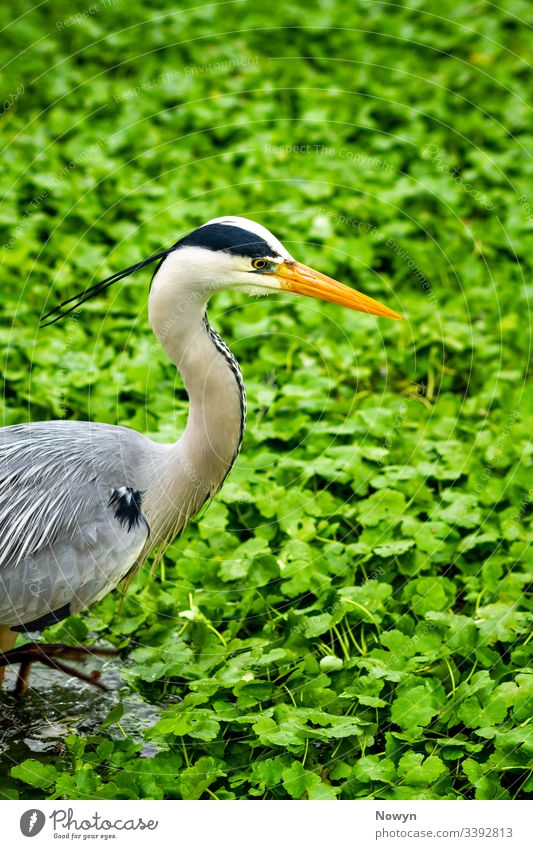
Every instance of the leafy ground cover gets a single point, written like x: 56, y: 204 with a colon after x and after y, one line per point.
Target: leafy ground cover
x: 352, y: 617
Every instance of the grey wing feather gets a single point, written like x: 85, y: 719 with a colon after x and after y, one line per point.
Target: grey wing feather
x: 71, y: 520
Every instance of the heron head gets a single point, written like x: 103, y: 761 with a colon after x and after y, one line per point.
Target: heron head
x: 236, y: 253
x: 231, y: 253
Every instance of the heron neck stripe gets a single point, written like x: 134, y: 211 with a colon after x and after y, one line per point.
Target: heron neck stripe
x: 223, y: 349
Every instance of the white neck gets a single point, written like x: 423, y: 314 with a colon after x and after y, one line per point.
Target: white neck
x: 200, y: 460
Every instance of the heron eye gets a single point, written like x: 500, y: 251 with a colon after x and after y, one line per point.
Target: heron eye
x: 259, y: 264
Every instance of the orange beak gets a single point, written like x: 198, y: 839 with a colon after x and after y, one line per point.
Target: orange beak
x: 298, y: 278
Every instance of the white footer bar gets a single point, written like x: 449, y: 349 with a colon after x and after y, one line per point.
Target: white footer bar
x: 268, y: 824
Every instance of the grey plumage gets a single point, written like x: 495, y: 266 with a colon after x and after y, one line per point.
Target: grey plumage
x: 70, y: 492
x: 60, y: 540
x: 83, y: 504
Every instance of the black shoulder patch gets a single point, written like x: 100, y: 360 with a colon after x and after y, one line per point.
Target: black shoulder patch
x: 227, y: 238
x: 43, y: 621
x: 126, y: 503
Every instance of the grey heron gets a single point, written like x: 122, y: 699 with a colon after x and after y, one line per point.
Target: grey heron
x: 84, y: 504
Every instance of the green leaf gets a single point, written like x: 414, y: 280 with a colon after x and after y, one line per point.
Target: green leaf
x: 114, y: 715
x: 418, y: 771
x: 414, y: 708
x: 34, y: 773
x: 197, y: 778
x: 374, y: 768
x: 300, y: 782
x: 387, y: 504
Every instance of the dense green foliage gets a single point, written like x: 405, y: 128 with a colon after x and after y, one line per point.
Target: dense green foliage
x: 349, y: 619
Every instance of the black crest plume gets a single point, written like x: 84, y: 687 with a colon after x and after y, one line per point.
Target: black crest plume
x: 59, y: 312
x: 225, y: 238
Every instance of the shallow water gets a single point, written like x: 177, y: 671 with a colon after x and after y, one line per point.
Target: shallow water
x: 56, y: 705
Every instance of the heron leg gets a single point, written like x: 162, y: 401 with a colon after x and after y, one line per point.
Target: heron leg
x: 8, y: 639
x: 53, y: 655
